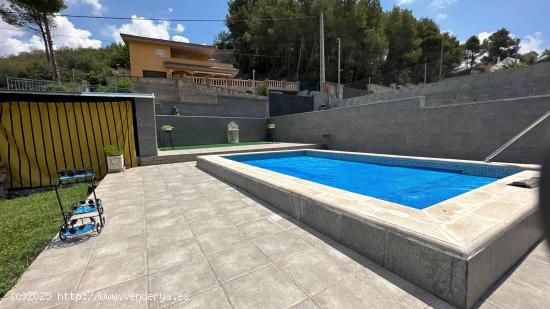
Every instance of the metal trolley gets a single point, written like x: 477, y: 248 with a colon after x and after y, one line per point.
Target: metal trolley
x: 83, y: 217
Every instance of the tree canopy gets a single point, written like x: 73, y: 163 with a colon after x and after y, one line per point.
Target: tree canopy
x: 501, y: 45
x: 78, y: 65
x: 280, y: 39
x: 35, y: 17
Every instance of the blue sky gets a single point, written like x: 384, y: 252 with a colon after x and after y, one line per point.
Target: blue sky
x: 527, y: 20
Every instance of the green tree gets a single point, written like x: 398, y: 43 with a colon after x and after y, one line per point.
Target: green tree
x: 545, y: 55
x: 452, y: 53
x: 403, y: 46
x: 371, y: 19
x: 472, y: 50
x: 36, y: 17
x: 501, y: 45
x: 88, y: 65
x: 430, y: 43
x: 279, y: 39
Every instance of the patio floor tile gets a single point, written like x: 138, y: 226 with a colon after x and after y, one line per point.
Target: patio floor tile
x: 114, y: 297
x: 281, y: 245
x: 109, y: 271
x: 209, y: 225
x: 313, y: 270
x: 164, y: 254
x: 117, y: 231
x: 119, y: 247
x: 237, y: 261
x: 186, y: 279
x: 277, y: 291
x: 200, y: 213
x: 220, y: 239
x: 258, y: 228
x: 351, y: 292
x: 305, y: 304
x: 62, y: 283
x: 212, y: 299
x: 247, y: 214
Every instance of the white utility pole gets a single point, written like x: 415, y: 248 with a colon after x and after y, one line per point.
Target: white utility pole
x: 338, y: 89
x: 425, y: 71
x: 441, y: 59
x: 321, y: 52
x: 254, y: 81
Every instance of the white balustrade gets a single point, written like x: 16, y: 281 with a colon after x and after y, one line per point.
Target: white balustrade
x: 241, y: 83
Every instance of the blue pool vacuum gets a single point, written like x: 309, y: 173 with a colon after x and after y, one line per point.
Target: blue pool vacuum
x: 84, y: 217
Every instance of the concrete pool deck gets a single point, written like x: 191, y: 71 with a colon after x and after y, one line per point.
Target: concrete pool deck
x: 455, y: 249
x: 173, y: 229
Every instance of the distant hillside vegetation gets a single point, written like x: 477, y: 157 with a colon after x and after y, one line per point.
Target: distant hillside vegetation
x: 86, y: 65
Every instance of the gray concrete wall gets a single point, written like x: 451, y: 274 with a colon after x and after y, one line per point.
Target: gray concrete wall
x: 284, y: 104
x: 146, y: 127
x: 319, y: 99
x: 197, y: 130
x: 224, y: 106
x: 518, y: 82
x: 404, y: 127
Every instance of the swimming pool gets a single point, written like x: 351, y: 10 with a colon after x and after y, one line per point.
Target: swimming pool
x: 410, y: 186
x: 456, y: 248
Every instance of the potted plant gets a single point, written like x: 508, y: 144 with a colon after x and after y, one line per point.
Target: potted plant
x: 115, y: 158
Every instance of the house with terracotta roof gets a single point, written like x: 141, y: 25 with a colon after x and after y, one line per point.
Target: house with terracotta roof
x: 151, y: 57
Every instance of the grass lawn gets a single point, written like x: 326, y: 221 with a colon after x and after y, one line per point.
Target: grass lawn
x: 210, y: 146
x: 27, y: 225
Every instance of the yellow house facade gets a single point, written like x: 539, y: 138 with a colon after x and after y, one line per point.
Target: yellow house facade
x: 151, y: 57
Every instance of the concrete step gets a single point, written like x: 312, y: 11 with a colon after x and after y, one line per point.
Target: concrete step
x: 177, y: 156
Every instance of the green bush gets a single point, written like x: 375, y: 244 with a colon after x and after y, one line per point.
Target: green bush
x: 118, y: 85
x: 166, y: 128
x: 262, y: 89
x: 113, y: 150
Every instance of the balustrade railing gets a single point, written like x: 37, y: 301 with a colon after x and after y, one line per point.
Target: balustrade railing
x: 242, y: 83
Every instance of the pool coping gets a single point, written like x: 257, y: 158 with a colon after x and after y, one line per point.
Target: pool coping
x: 463, y: 229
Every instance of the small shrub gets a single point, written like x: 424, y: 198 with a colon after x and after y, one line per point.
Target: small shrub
x: 262, y: 89
x: 113, y: 150
x: 166, y: 128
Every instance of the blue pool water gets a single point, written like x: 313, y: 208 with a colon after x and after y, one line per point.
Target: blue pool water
x: 414, y: 187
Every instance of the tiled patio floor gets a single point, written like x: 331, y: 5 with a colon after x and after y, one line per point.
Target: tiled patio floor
x: 175, y: 231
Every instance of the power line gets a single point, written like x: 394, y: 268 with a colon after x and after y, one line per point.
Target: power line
x: 68, y: 36
x: 182, y: 20
x: 268, y: 56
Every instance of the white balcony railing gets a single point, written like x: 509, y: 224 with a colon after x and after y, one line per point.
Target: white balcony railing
x: 243, y: 84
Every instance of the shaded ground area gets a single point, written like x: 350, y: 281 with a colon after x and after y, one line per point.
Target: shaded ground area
x: 211, y: 146
x: 27, y: 225
x: 177, y: 232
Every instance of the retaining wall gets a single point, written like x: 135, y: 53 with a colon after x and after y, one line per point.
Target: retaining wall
x: 224, y: 106
x: 518, y: 82
x: 409, y: 127
x: 199, y: 130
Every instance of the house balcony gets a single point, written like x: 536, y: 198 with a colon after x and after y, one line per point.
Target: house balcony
x: 198, y: 67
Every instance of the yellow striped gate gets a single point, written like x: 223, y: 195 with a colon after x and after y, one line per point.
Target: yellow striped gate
x: 38, y: 138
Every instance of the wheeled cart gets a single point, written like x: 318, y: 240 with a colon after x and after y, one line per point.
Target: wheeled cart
x: 84, y: 217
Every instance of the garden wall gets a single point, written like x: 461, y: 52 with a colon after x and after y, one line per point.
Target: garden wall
x: 198, y: 130
x: 518, y: 82
x: 406, y: 127
x: 223, y: 106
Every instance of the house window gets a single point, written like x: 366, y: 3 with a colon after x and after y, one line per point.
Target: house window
x: 160, y: 52
x: 155, y: 74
